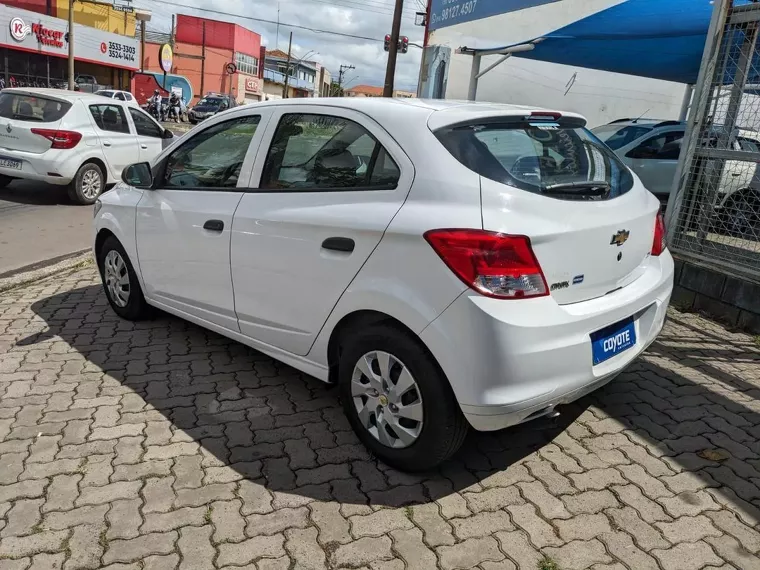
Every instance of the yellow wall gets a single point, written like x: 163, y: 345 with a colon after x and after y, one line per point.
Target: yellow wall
x: 100, y: 16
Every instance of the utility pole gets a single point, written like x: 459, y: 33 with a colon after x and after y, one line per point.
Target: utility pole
x: 341, y: 73
x: 71, y: 45
x: 203, y: 61
x: 142, y: 45
x: 390, y: 72
x: 287, y: 68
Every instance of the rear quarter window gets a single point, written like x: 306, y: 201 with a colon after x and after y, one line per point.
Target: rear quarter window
x: 565, y: 162
x: 32, y: 108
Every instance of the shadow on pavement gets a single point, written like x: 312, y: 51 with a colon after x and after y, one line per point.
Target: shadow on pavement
x: 682, y: 424
x: 28, y: 192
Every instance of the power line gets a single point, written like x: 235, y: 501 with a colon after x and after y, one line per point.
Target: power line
x: 274, y: 22
x: 354, y: 6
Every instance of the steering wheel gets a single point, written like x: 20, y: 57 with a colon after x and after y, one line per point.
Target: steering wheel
x: 232, y: 170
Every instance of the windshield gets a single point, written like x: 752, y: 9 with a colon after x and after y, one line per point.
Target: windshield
x: 22, y: 107
x: 211, y: 101
x: 540, y: 158
x: 616, y: 136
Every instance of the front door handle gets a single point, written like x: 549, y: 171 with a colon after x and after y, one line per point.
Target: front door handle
x: 214, y: 226
x: 345, y: 245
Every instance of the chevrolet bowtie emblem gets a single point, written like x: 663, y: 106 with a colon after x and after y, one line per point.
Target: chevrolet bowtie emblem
x: 620, y: 238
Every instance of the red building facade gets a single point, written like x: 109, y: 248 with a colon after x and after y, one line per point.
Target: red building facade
x: 225, y: 43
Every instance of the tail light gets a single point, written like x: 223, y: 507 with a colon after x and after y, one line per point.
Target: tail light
x: 493, y: 264
x: 60, y: 139
x: 659, y: 244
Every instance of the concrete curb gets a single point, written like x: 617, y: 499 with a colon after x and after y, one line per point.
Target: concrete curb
x: 38, y: 271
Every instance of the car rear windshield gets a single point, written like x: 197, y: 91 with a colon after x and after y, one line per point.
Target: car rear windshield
x: 616, y: 136
x: 20, y: 107
x: 210, y: 101
x: 561, y: 161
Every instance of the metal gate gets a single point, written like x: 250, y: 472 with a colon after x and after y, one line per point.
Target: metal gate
x: 713, y: 215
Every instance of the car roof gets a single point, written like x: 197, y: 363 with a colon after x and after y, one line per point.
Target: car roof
x: 437, y: 113
x: 57, y: 94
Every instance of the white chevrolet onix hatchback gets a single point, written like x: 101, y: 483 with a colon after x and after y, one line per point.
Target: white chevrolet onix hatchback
x: 446, y: 264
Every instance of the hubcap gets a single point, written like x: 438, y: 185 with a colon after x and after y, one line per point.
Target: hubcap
x: 116, y: 277
x: 91, y: 184
x: 387, y: 399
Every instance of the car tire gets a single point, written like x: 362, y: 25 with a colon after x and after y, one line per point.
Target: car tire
x: 120, y: 282
x: 423, y: 444
x: 5, y: 180
x: 740, y: 215
x: 88, y: 184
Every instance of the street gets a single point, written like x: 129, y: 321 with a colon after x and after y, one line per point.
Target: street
x: 163, y: 445
x: 38, y: 223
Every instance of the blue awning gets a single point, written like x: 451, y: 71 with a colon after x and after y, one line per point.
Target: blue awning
x: 660, y: 39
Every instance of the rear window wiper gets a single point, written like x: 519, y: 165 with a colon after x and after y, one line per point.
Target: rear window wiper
x: 587, y: 187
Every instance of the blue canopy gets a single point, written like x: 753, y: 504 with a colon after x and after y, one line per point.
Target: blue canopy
x: 661, y: 39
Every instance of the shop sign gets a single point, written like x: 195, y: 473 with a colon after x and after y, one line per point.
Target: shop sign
x: 253, y: 84
x: 46, y: 36
x: 167, y: 58
x: 445, y: 13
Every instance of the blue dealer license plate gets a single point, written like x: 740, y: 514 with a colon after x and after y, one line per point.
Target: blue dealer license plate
x: 612, y: 340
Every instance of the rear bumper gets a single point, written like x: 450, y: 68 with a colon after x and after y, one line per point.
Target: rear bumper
x: 512, y: 361
x: 52, y: 167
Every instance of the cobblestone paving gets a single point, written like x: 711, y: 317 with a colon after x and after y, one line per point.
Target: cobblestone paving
x: 159, y: 446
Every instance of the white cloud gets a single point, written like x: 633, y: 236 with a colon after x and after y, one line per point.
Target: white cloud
x: 368, y: 18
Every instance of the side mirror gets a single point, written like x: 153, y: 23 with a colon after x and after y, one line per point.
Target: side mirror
x: 167, y: 134
x: 138, y: 175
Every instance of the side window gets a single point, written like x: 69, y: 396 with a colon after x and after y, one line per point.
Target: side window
x: 128, y: 96
x: 311, y: 152
x: 666, y: 146
x: 120, y: 96
x: 212, y: 158
x: 145, y: 126
x: 110, y: 118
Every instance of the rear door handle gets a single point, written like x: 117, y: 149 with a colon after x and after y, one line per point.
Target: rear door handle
x: 214, y: 225
x: 345, y: 245
x: 106, y: 143
x: 144, y: 146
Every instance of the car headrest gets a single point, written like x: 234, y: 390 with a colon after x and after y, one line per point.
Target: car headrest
x: 110, y: 117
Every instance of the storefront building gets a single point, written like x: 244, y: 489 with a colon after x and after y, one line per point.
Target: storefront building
x: 203, y: 50
x: 35, y: 51
x: 97, y: 15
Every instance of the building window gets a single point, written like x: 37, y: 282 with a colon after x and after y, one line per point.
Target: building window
x: 247, y: 64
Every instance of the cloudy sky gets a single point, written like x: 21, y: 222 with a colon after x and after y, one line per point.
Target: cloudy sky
x: 366, y: 18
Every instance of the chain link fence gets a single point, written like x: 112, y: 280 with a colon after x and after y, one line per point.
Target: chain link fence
x: 714, y: 215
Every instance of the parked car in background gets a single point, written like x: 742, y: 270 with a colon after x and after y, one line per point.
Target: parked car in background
x: 87, y: 83
x: 72, y: 139
x: 125, y: 96
x: 651, y: 149
x: 444, y: 264
x: 209, y: 106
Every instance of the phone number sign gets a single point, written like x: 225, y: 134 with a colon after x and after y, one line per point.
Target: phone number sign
x: 445, y: 13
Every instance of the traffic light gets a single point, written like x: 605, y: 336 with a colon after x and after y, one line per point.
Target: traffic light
x: 404, y: 44
x: 388, y: 42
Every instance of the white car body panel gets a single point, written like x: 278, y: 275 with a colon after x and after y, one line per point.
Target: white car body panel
x: 506, y: 360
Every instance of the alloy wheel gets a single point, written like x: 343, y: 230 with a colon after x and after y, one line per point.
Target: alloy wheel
x: 91, y: 184
x: 116, y: 277
x: 387, y: 399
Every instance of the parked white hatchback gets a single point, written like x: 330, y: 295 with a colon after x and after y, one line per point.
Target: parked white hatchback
x: 446, y: 264
x: 73, y: 139
x: 125, y: 96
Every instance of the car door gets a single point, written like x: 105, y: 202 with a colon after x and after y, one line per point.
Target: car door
x: 314, y: 214
x: 184, y: 222
x: 117, y: 139
x: 150, y: 135
x: 655, y: 161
